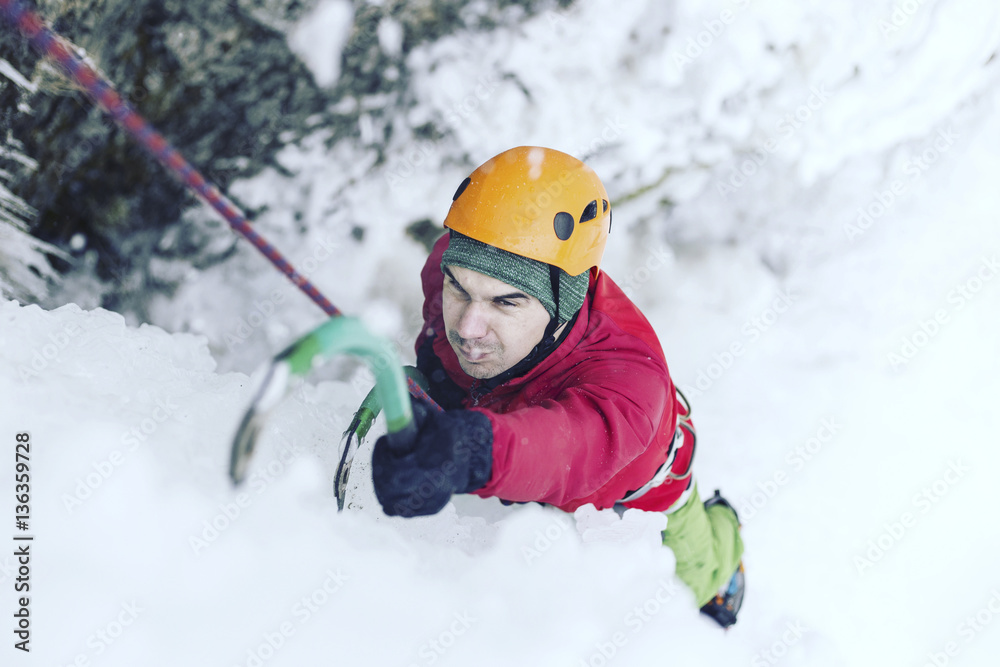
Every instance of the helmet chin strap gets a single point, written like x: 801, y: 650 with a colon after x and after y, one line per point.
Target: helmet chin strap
x: 553, y: 324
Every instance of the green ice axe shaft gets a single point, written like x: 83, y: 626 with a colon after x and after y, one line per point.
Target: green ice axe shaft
x: 370, y: 408
x: 338, y: 335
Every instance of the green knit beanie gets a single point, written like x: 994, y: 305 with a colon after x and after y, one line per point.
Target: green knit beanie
x: 528, y: 275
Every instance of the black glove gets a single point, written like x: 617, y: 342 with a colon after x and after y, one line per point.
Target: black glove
x: 452, y: 452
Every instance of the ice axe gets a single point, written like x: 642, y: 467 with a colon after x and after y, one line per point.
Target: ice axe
x: 338, y: 335
x: 297, y: 358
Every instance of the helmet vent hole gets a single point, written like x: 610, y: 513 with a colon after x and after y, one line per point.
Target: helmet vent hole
x: 605, y: 205
x: 563, y: 225
x: 461, y: 188
x: 590, y: 212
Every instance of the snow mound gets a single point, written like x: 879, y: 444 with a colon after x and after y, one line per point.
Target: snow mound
x: 144, y: 554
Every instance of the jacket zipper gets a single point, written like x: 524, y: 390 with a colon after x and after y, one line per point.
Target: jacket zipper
x: 476, y: 392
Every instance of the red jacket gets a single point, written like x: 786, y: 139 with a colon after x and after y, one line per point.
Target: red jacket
x: 590, y: 423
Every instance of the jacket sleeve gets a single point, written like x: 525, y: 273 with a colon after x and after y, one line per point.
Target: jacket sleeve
x: 431, y: 281
x: 564, y: 449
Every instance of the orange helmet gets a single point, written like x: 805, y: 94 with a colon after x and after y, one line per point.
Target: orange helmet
x: 538, y: 203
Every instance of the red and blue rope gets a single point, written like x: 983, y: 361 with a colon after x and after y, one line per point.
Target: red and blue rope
x: 50, y: 46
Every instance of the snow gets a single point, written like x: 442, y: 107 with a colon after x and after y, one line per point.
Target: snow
x: 23, y: 266
x: 11, y: 73
x: 319, y: 37
x: 831, y: 316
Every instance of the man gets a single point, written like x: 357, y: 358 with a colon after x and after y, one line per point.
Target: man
x: 554, y: 385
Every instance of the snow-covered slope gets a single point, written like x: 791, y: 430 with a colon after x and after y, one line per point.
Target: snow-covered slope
x: 832, y: 317
x: 144, y: 555
x: 866, y: 489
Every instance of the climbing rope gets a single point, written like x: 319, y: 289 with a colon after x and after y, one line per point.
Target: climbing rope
x: 52, y: 46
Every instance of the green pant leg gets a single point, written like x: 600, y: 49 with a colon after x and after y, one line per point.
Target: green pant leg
x: 706, y: 544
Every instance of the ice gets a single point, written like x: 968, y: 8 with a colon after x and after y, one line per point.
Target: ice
x: 853, y: 425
